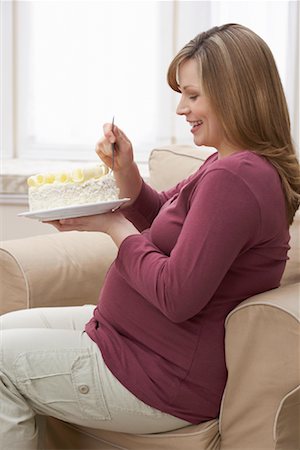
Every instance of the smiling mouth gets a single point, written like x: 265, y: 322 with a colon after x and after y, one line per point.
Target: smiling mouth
x: 195, y: 125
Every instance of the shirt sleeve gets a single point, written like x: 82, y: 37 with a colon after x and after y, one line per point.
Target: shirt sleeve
x: 149, y: 201
x: 223, y: 220
x: 148, y: 204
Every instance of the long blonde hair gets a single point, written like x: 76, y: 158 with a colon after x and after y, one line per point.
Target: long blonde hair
x: 239, y: 75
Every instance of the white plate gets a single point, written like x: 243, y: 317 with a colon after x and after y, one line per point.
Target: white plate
x: 75, y: 211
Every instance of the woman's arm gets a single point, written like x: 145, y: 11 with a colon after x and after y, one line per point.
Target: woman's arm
x: 223, y: 219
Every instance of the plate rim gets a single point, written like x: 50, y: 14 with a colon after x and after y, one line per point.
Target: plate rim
x: 31, y: 214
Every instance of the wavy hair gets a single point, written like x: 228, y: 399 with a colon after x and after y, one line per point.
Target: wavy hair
x: 239, y: 75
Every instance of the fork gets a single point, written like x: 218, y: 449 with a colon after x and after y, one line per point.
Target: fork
x: 113, y: 149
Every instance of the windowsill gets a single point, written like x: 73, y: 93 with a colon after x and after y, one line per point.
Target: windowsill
x: 14, y: 173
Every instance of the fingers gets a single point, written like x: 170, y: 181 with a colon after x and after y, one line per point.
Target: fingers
x: 77, y: 224
x: 114, y: 136
x: 103, y: 147
x: 109, y: 134
x: 54, y: 223
x: 123, y: 147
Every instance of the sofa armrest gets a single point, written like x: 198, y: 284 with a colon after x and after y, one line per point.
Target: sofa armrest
x: 60, y: 269
x: 262, y: 356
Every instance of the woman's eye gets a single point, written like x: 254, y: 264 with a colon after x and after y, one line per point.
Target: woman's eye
x: 193, y: 97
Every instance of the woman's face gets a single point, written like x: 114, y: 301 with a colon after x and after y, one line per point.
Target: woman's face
x: 195, y: 106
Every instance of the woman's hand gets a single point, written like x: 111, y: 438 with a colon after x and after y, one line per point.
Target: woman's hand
x: 123, y: 158
x: 98, y: 222
x: 126, y: 171
x: 113, y: 223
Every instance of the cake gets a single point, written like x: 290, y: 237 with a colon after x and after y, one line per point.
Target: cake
x: 80, y: 186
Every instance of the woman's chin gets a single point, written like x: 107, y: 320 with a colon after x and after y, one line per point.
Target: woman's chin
x: 198, y: 141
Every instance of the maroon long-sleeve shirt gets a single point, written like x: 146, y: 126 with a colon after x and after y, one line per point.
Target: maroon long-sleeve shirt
x: 207, y: 244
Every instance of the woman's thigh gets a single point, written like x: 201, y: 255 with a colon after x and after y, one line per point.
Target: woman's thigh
x: 56, y: 371
x: 69, y: 317
x: 61, y: 373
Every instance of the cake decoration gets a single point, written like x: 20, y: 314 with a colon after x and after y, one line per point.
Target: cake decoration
x: 82, y: 185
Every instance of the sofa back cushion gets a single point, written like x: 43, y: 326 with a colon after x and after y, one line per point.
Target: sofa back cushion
x: 292, y: 270
x: 170, y: 164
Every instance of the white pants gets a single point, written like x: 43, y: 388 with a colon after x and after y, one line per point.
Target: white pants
x: 50, y: 366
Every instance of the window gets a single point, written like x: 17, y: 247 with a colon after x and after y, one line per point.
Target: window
x: 80, y: 63
x: 67, y: 67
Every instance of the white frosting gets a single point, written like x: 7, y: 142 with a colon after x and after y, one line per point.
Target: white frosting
x: 58, y: 194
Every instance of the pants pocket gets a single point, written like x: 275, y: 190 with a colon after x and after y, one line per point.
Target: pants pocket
x: 64, y: 383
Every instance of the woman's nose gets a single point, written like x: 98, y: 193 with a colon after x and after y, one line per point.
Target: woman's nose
x: 182, y: 108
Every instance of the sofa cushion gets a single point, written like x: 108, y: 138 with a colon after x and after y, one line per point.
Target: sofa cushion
x: 196, y: 437
x: 287, y: 424
x: 292, y: 270
x: 170, y: 164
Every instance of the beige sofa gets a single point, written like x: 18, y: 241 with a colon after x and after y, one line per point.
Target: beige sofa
x: 261, y: 403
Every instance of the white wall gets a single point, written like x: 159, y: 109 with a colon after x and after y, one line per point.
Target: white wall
x: 14, y: 227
